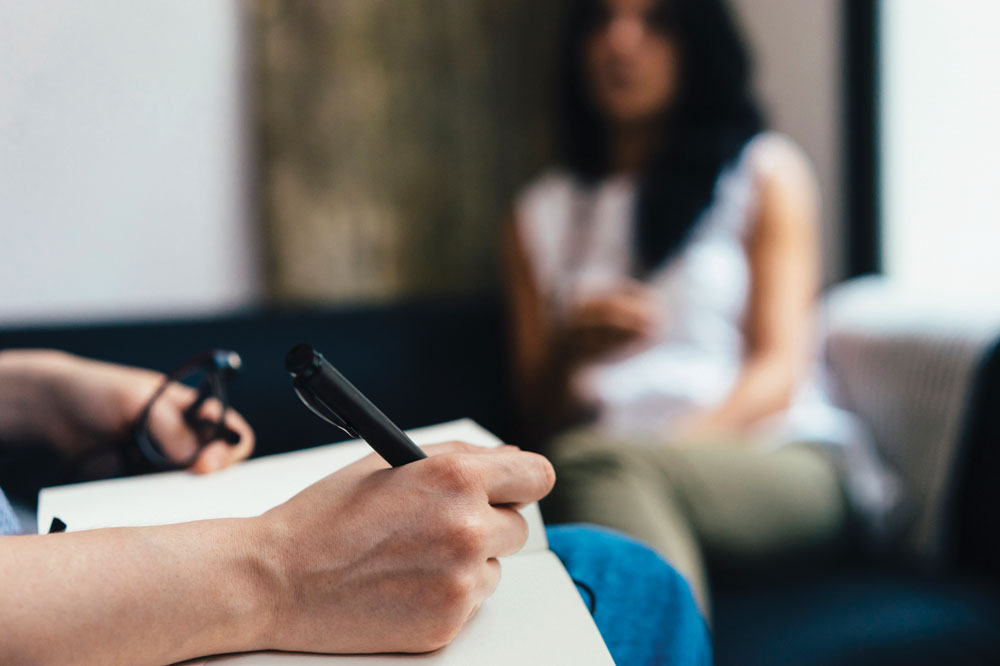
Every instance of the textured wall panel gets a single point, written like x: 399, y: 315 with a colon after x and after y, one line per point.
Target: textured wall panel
x: 392, y: 137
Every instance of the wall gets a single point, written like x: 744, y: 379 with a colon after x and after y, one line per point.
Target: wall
x: 798, y: 55
x: 941, y: 101
x: 394, y: 136
x: 123, y: 159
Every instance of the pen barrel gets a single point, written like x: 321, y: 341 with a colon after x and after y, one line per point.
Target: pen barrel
x: 368, y: 421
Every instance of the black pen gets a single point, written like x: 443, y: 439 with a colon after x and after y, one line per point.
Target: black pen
x: 335, y: 400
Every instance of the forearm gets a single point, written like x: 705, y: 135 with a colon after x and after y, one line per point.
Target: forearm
x: 764, y: 387
x: 133, y: 596
x: 545, y: 394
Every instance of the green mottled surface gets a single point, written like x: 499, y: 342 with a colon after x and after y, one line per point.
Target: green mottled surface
x: 392, y: 136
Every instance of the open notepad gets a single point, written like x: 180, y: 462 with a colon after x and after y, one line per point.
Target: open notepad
x: 535, y: 616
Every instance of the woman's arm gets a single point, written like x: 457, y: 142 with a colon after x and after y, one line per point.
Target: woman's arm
x: 785, y: 275
x: 540, y: 366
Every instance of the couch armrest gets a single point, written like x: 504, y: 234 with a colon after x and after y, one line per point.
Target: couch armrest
x: 907, y: 365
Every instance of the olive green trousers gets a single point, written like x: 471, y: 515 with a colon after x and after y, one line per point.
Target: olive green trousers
x: 732, y: 503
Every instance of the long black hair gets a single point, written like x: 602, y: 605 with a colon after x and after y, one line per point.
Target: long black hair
x: 713, y: 115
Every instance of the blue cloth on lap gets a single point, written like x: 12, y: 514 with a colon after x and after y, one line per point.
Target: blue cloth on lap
x: 642, y: 606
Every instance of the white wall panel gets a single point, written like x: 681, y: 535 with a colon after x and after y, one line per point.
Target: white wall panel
x: 123, y: 159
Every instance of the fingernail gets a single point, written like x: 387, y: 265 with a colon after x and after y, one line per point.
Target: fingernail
x: 213, y: 460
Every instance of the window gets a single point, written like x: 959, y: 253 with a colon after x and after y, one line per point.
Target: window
x: 940, y: 145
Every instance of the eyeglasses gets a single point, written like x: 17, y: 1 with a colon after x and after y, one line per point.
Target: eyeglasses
x: 210, y: 373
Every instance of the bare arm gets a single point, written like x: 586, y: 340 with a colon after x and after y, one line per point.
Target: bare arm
x: 369, y: 559
x: 784, y: 261
x: 130, y: 596
x: 541, y: 365
x: 530, y: 331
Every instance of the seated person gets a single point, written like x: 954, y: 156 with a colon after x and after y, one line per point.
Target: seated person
x: 369, y: 559
x: 663, y: 281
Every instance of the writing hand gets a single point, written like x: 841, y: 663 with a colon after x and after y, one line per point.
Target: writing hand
x: 379, y: 559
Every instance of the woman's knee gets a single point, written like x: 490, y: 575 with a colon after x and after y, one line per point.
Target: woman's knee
x: 590, y: 475
x: 590, y: 450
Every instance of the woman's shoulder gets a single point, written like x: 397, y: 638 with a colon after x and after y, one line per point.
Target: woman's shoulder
x: 771, y: 154
x: 547, y: 196
x: 550, y: 183
x: 541, y: 213
x: 783, y: 179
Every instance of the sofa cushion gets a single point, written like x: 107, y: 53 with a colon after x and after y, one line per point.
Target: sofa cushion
x: 858, y: 617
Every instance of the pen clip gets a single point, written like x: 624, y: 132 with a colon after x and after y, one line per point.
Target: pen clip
x: 324, y: 411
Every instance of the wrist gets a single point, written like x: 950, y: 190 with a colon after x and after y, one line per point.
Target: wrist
x: 710, y: 425
x: 229, y: 587
x: 258, y: 582
x: 265, y: 561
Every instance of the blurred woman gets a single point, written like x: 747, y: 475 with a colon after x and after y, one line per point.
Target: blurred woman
x: 663, y: 282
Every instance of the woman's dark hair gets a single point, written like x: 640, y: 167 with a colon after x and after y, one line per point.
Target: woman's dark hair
x: 712, y: 117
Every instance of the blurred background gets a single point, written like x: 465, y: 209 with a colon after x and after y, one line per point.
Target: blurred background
x: 221, y: 154
x: 228, y: 153
x: 177, y: 174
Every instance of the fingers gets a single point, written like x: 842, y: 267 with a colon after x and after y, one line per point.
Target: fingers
x: 618, y: 317
x: 630, y: 314
x: 506, y: 474
x: 514, y: 477
x: 450, y: 447
x: 179, y: 442
x: 508, y: 532
x: 219, y: 455
x: 374, y: 462
x: 464, y: 447
x: 168, y: 427
x: 488, y: 582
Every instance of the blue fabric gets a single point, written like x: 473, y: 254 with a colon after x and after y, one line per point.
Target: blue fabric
x: 8, y: 521
x: 642, y: 606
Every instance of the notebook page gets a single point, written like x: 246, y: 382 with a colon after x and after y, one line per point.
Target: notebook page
x: 536, y: 617
x: 247, y: 489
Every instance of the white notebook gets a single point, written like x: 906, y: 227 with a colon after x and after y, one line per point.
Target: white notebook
x: 535, y: 616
